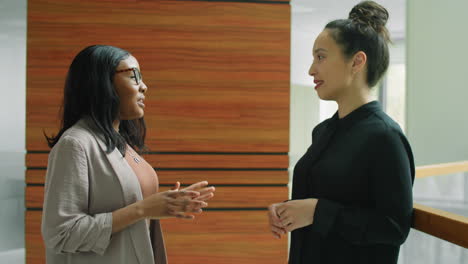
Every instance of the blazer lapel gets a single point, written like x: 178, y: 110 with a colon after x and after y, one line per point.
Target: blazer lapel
x: 131, y: 189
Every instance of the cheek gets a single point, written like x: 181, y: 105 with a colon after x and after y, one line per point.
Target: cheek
x: 127, y: 98
x: 128, y: 93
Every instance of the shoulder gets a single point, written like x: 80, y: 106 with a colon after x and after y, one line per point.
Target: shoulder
x: 379, y: 124
x: 384, y: 133
x: 78, y: 137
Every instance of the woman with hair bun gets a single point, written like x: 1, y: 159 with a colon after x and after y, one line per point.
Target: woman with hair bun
x: 352, y: 190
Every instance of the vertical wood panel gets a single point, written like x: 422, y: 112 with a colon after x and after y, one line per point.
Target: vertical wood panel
x: 218, y: 78
x: 218, y: 73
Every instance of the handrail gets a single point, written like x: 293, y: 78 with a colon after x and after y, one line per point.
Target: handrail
x: 441, y: 169
x: 439, y: 223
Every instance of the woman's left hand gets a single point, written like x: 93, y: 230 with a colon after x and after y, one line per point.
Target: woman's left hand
x: 295, y: 214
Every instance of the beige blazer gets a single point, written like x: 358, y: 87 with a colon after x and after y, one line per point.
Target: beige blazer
x: 84, y: 185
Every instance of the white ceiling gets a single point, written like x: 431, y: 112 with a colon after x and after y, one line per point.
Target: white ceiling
x: 315, y: 14
x: 309, y: 17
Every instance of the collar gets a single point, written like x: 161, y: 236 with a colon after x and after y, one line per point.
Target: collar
x: 355, y: 116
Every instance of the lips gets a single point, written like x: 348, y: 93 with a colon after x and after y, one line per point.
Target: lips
x: 318, y: 83
x: 140, y: 102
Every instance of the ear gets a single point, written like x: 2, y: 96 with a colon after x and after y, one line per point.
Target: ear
x: 359, y: 61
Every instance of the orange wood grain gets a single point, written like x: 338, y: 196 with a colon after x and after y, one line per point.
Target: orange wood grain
x: 217, y: 72
x: 224, y: 237
x: 188, y: 177
x: 225, y: 197
x: 34, y: 245
x: 193, y: 161
x: 213, y: 237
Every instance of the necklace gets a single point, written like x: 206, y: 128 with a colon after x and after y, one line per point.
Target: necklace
x: 135, y: 158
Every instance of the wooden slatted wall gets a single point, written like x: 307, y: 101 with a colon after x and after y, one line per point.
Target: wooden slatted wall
x: 217, y: 109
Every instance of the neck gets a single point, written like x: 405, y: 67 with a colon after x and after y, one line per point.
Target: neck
x: 355, y: 99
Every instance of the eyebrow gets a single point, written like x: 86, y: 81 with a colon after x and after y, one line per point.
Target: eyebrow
x: 319, y: 49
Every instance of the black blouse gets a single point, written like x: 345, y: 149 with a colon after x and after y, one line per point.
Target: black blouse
x: 361, y: 170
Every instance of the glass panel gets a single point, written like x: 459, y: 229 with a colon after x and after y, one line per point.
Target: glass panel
x: 421, y: 248
x: 445, y: 192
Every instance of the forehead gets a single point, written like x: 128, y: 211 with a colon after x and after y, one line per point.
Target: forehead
x: 129, y: 62
x: 324, y: 41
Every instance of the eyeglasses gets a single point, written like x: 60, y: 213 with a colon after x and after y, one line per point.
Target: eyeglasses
x: 136, y: 74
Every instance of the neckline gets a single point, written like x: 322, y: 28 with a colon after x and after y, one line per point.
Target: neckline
x: 356, y: 115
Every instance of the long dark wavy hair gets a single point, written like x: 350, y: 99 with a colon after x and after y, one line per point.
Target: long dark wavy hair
x: 89, y: 92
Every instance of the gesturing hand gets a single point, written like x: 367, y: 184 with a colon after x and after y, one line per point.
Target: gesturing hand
x: 295, y: 214
x: 206, y: 193
x: 173, y: 203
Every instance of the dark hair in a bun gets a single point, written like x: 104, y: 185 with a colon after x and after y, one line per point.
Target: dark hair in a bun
x: 369, y: 13
x: 365, y: 31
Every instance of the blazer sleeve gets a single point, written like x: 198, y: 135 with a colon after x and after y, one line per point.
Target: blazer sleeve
x: 389, y: 220
x: 67, y: 227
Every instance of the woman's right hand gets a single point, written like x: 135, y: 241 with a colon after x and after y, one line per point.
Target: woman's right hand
x: 276, y: 227
x: 172, y: 203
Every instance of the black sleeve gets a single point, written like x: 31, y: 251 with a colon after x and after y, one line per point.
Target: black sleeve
x: 391, y: 179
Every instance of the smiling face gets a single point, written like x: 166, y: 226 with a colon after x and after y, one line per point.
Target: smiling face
x: 130, y: 88
x: 332, y: 72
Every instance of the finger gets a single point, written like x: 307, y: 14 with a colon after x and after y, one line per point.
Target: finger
x: 184, y: 216
x: 277, y: 225
x: 197, y: 211
x: 280, y: 210
x: 273, y: 213
x: 206, y: 190
x: 279, y: 231
x: 205, y: 197
x: 287, y: 221
x: 176, y: 211
x: 184, y: 204
x: 277, y: 236
x: 197, y: 204
x: 176, y: 186
x: 197, y: 185
x: 183, y: 193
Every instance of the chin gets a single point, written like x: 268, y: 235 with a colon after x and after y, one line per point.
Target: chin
x: 324, y: 97
x: 133, y: 117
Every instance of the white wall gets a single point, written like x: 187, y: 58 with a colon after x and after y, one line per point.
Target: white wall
x: 304, y: 104
x: 437, y: 84
x: 12, y: 130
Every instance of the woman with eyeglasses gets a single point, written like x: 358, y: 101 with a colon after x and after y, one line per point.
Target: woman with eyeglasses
x: 101, y: 202
x: 352, y: 189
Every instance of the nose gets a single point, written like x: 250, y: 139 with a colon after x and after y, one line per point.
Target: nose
x: 312, y: 70
x: 143, y: 87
